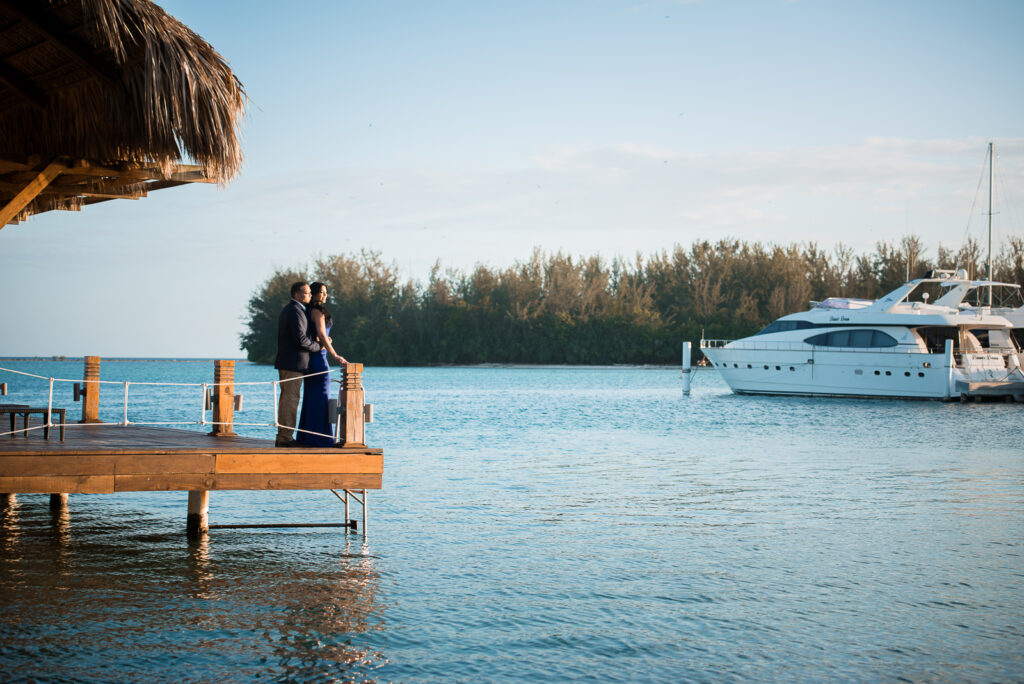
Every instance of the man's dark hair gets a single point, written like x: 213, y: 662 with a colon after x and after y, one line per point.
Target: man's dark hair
x: 297, y: 288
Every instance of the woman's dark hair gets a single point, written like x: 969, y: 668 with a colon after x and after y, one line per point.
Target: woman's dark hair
x: 316, y: 289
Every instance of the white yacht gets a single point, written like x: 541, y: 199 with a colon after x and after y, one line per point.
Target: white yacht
x: 897, y: 346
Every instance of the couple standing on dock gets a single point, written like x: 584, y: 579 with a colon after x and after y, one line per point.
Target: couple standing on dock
x: 303, y: 342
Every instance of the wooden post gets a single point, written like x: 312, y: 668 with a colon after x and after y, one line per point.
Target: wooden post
x: 198, y: 521
x: 223, y: 398
x: 58, y: 502
x: 353, y: 430
x: 30, y: 192
x: 91, y: 400
x: 7, y: 501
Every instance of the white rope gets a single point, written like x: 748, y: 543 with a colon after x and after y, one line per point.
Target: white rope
x: 274, y: 402
x: 24, y: 430
x: 205, y: 387
x: 172, y: 384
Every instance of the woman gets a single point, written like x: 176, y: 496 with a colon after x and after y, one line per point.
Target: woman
x: 317, y: 388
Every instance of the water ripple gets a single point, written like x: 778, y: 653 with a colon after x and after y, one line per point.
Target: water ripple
x: 559, y: 525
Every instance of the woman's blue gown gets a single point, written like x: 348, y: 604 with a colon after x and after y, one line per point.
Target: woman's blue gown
x: 315, y: 391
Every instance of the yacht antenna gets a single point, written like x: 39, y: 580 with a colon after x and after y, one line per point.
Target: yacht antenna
x: 991, y: 162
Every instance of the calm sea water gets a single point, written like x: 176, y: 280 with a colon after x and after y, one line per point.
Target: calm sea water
x: 551, y: 524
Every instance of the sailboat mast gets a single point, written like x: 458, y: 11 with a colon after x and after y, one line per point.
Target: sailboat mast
x: 991, y: 163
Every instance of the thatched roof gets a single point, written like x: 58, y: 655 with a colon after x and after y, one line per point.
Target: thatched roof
x: 107, y: 98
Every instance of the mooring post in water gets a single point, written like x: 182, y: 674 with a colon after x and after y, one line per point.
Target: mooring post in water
x: 58, y: 502
x: 223, y: 398
x: 7, y: 501
x: 353, y: 428
x: 687, y: 367
x: 948, y: 364
x: 198, y: 521
x: 90, y: 393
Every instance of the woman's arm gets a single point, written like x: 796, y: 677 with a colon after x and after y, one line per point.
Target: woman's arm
x: 321, y: 335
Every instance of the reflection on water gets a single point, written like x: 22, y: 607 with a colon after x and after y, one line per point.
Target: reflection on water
x: 108, y: 597
x: 200, y: 567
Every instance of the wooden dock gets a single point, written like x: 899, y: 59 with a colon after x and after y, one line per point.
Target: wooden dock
x: 105, y: 458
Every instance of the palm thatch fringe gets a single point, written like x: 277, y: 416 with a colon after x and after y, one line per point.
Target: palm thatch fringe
x: 172, y: 97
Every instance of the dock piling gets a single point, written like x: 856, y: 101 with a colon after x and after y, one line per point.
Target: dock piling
x: 223, y: 398
x: 91, y: 391
x: 198, y: 521
x: 687, y: 367
x: 353, y: 432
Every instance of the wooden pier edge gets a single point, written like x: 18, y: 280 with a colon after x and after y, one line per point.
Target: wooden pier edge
x: 109, y: 458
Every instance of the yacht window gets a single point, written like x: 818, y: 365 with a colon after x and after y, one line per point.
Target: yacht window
x: 853, y: 338
x: 981, y: 335
x: 839, y: 338
x: 786, y: 326
x: 881, y: 339
x: 861, y: 338
x: 935, y: 338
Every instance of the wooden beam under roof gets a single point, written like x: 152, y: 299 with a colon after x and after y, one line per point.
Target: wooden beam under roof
x: 29, y: 193
x: 133, y: 171
x: 74, y: 47
x: 8, y: 165
x: 31, y: 182
x: 17, y: 82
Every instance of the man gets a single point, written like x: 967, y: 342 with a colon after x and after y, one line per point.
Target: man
x: 294, y: 346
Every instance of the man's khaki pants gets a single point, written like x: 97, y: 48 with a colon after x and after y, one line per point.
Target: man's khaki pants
x: 288, y: 404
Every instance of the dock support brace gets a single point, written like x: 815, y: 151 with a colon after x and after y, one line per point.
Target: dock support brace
x: 360, y: 498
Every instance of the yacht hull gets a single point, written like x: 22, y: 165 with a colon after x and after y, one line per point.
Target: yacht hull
x: 832, y: 373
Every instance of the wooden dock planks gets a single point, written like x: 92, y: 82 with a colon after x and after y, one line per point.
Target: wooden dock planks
x: 112, y: 458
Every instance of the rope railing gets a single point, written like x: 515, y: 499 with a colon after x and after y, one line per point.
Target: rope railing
x: 204, y: 387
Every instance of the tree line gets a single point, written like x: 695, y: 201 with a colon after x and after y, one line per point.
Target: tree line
x: 556, y: 309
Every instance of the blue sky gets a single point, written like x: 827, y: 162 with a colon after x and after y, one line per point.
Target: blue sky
x: 471, y: 132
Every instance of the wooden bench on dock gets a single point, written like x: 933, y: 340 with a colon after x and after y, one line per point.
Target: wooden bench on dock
x: 24, y: 410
